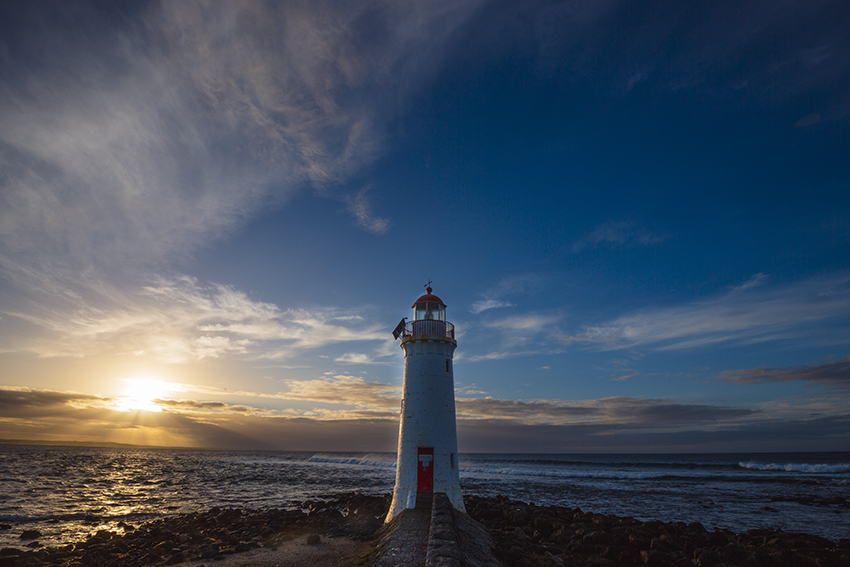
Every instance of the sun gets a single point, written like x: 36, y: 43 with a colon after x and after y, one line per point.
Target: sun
x: 140, y: 395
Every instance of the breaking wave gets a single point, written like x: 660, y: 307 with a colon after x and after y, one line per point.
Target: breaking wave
x: 797, y: 467
x: 367, y: 460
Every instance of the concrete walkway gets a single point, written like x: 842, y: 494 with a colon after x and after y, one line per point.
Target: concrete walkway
x: 405, y: 538
x: 434, y: 534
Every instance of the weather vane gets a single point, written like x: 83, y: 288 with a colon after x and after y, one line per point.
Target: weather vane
x: 428, y: 284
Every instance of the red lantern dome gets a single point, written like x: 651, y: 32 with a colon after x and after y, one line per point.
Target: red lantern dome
x: 429, y: 298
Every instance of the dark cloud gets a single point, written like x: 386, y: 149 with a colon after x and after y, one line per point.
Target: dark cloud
x: 19, y: 402
x: 621, y: 409
x: 834, y: 374
x: 195, y: 405
x: 661, y: 413
x: 821, y: 434
x: 518, y: 409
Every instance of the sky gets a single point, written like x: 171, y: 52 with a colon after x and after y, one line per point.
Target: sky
x: 213, y: 215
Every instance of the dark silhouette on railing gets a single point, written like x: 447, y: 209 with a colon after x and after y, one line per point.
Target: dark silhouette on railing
x: 428, y: 327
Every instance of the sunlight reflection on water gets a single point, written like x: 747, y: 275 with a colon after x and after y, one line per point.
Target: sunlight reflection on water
x: 68, y: 493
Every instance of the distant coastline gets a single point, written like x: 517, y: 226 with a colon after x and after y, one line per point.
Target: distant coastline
x: 98, y: 444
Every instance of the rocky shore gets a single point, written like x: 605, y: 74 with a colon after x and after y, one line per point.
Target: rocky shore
x: 528, y: 535
x: 525, y: 535
x: 209, y: 536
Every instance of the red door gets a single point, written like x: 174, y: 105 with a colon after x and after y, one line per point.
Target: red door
x: 425, y: 474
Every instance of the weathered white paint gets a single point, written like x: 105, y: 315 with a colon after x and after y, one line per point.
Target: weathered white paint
x: 427, y: 420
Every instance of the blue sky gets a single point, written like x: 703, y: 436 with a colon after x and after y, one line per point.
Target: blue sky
x: 212, y: 217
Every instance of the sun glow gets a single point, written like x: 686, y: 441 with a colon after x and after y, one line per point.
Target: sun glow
x: 141, y: 395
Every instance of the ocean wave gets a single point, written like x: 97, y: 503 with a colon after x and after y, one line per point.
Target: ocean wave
x: 592, y: 475
x: 797, y: 467
x: 635, y: 476
x: 610, y: 463
x: 368, y: 460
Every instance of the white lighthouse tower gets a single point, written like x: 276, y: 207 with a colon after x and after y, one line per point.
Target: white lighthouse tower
x: 427, y: 438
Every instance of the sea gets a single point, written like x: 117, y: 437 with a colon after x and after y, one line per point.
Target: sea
x: 68, y: 493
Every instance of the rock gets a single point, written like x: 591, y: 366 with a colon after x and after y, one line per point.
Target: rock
x: 165, y: 546
x: 598, y: 538
x: 30, y: 534
x: 638, y: 542
x: 654, y: 558
x: 313, y: 539
x: 102, y: 535
x: 5, y: 527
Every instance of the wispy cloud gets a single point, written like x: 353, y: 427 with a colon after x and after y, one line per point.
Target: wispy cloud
x: 530, y: 322
x: 128, y: 142
x: 755, y: 281
x: 486, y: 304
x: 809, y: 120
x: 179, y: 320
x: 125, y: 146
x: 348, y: 390
x: 622, y: 234
x: 494, y: 295
x: 746, y: 314
x: 522, y: 335
x: 359, y: 358
x: 360, y: 207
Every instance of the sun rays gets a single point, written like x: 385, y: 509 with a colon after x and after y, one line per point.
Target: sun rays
x: 142, y: 394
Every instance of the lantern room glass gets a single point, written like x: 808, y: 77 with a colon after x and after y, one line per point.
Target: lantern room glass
x: 429, y: 311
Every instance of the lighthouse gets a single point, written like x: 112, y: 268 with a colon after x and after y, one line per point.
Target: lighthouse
x: 427, y: 437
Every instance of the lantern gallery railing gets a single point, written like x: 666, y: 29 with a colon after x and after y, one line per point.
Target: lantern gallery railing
x: 428, y: 327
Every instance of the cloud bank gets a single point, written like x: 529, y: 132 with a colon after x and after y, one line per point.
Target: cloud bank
x: 483, y: 425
